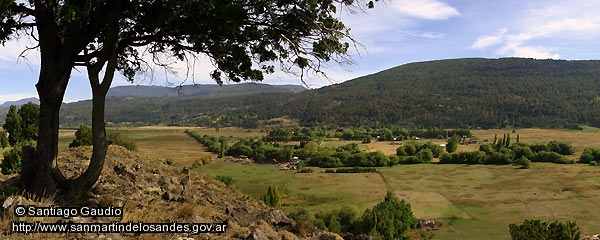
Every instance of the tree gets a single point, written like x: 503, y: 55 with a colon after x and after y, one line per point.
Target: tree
x: 3, y: 139
x: 12, y: 125
x: 272, y: 198
x: 22, y: 124
x: 452, y: 144
x: 390, y: 218
x: 244, y: 39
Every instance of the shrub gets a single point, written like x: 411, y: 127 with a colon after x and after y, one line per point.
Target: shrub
x: 589, y: 155
x: 535, y: 229
x: 524, y: 162
x: 560, y: 148
x: 552, y: 157
x: 12, y: 161
x: 228, y: 180
x: 305, y: 170
x: 83, y: 137
x: 593, y: 163
x: 118, y: 138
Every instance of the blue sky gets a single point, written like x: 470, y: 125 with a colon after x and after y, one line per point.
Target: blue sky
x: 396, y: 32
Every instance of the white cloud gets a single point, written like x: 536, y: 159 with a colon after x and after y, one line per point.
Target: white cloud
x: 533, y: 52
x: 489, y: 40
x: 537, y: 34
x: 12, y: 49
x: 426, y: 9
x: 428, y: 35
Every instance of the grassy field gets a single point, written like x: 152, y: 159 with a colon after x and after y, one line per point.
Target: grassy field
x: 472, y: 201
x: 313, y: 191
x: 479, y: 202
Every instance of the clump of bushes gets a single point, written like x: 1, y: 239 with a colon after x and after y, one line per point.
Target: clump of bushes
x: 228, y: 180
x: 352, y: 170
x: 83, y: 137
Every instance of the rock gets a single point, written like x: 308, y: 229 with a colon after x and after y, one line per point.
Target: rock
x: 122, y: 170
x: 257, y: 234
x: 166, y: 196
x: 277, y: 218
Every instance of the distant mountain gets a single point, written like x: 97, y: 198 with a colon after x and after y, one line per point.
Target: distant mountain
x: 153, y: 104
x: 446, y: 93
x: 20, y: 102
x: 200, y: 90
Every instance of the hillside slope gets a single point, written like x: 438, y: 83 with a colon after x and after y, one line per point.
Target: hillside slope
x: 460, y: 92
x: 447, y: 93
x: 151, y: 191
x: 200, y: 90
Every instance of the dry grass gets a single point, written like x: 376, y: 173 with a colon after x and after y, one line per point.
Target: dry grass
x: 578, y: 139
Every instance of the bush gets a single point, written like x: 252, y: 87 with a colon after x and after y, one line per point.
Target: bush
x: 535, y: 229
x: 83, y: 137
x: 552, y: 157
x: 305, y: 170
x: 118, y: 138
x: 593, y: 163
x: 589, y: 155
x: 524, y: 162
x: 12, y: 161
x: 226, y: 179
x: 560, y: 148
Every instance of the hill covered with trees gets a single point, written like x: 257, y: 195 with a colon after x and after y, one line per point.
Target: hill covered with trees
x: 446, y: 93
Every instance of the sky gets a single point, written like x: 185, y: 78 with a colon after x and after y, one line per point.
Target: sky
x: 394, y: 33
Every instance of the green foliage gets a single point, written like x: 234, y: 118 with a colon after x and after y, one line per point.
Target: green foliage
x: 589, y: 155
x: 337, y: 220
x: 22, y: 125
x: 452, y: 144
x: 391, y: 218
x: 560, y: 148
x: 524, y: 162
x: 83, y: 137
x: 272, y: 198
x: 118, y: 138
x: 12, y: 160
x: 535, y: 229
x: 4, y: 140
x: 29, y: 113
x: 228, y: 180
x: 552, y: 157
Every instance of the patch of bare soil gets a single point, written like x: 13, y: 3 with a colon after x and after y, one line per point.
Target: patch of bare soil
x: 151, y: 191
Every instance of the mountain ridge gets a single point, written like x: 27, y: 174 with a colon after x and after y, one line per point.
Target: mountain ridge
x: 488, y: 93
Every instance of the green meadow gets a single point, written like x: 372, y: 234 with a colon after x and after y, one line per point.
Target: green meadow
x: 472, y: 201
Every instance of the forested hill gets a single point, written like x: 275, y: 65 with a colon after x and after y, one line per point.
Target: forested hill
x: 446, y: 93
x: 199, y: 90
x: 461, y: 92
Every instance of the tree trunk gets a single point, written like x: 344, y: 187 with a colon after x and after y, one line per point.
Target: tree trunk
x: 100, y: 146
x: 40, y: 174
